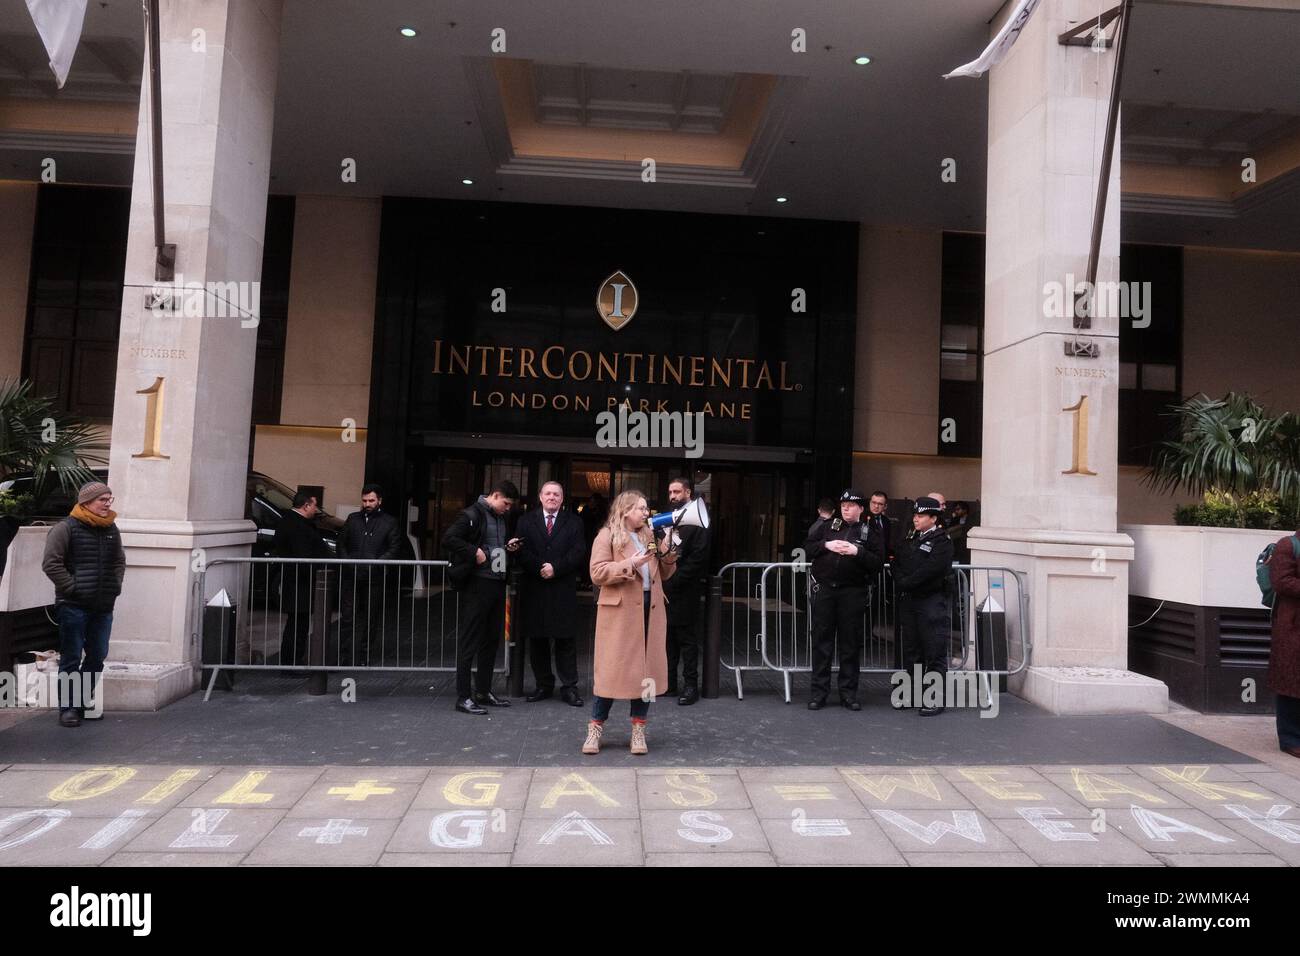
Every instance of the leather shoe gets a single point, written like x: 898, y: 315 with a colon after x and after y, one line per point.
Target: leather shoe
x: 69, y: 718
x: 467, y: 706
x: 930, y: 711
x: 689, y: 696
x: 491, y: 700
x: 816, y: 704
x: 542, y: 693
x: 571, y: 697
x: 850, y: 704
x: 671, y: 691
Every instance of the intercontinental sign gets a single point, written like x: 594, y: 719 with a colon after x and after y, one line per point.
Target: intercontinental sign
x: 577, y: 369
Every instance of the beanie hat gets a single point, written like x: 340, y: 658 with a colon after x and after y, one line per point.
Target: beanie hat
x: 90, y: 491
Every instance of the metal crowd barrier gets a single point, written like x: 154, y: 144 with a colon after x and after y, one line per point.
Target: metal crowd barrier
x: 765, y: 621
x: 317, y: 615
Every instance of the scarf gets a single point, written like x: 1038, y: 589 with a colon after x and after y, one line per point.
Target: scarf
x: 86, y: 516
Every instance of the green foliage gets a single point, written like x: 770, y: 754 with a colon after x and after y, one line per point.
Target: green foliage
x: 1242, y: 459
x: 36, y: 437
x: 17, y: 505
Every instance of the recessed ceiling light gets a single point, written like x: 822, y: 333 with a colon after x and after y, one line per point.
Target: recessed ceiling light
x: 408, y: 31
x: 468, y: 182
x: 862, y: 60
x: 781, y: 199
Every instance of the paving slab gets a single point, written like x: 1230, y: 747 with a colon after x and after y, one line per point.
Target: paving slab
x: 323, y: 841
x: 570, y: 839
x: 1095, y: 787
x: 99, y: 790
x: 703, y: 832
x: 829, y: 840
x: 231, y: 830
x: 265, y: 788
x: 595, y: 792
x: 474, y: 787
x: 902, y: 788
x: 1219, y: 859
x: 54, y: 836
x: 368, y: 798
x: 828, y: 796
x: 173, y: 859
x: 461, y: 830
x: 445, y: 859
x: 1080, y: 848
x: 1173, y: 832
x: 709, y: 859
x: 943, y: 831
x: 1281, y: 838
x: 965, y: 859
x: 668, y: 789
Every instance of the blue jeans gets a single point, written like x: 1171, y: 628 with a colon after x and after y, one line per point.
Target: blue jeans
x: 81, y: 629
x: 601, y: 705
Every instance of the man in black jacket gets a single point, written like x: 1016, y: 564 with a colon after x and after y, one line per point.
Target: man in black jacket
x: 85, y: 560
x: 296, y: 537
x: 478, y: 544
x: 921, y: 571
x: 846, y: 556
x: 553, y: 548
x: 683, y: 591
x: 369, y: 591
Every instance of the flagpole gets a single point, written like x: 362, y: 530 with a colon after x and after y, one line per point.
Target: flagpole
x: 1108, y: 148
x: 165, y: 263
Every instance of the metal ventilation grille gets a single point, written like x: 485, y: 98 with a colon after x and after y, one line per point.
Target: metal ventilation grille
x: 1244, y: 638
x: 1171, y: 632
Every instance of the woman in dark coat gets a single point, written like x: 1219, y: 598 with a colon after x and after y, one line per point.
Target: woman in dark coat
x: 1284, y: 654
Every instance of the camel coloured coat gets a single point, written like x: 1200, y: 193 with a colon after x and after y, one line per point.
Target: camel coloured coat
x: 624, y: 656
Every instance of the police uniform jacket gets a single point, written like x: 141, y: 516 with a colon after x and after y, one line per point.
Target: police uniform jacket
x: 839, y: 570
x: 923, y: 563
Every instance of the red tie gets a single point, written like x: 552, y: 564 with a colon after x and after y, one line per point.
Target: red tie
x: 550, y: 523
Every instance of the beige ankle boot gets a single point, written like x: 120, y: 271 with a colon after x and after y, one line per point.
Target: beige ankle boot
x: 638, y: 738
x: 594, y: 730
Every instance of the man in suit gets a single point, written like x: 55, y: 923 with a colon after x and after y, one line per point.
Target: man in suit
x: 683, y: 591
x: 880, y: 522
x: 296, y: 537
x: 552, y: 550
x: 368, y: 535
x: 478, y: 544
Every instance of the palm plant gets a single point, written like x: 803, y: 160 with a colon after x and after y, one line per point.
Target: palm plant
x: 1231, y: 449
x: 36, y: 437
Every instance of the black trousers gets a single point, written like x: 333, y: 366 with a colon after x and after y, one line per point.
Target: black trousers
x: 925, y: 630
x: 837, y: 613
x: 369, y: 604
x: 295, y: 602
x: 482, y: 626
x: 684, y: 637
x: 566, y: 661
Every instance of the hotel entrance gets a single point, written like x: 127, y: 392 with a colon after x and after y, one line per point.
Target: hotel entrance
x: 758, y: 511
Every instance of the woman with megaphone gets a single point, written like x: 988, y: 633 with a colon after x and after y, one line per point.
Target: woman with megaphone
x: 631, y: 628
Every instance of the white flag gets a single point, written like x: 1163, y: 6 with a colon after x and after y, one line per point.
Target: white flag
x: 59, y: 23
x: 998, y: 49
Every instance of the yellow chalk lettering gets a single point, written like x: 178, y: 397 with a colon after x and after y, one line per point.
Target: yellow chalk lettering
x: 360, y: 790
x: 91, y: 783
x: 1000, y: 789
x: 1094, y: 788
x: 883, y: 786
x: 813, y: 791
x: 694, y: 796
x: 244, y: 791
x: 168, y: 786
x: 575, y: 785
x: 1191, y: 779
x: 453, y: 790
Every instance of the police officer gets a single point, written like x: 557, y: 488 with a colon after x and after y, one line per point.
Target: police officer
x: 845, y: 554
x: 921, y: 570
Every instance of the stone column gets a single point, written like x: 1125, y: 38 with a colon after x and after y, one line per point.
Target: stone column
x: 1049, y: 473
x: 179, y: 456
